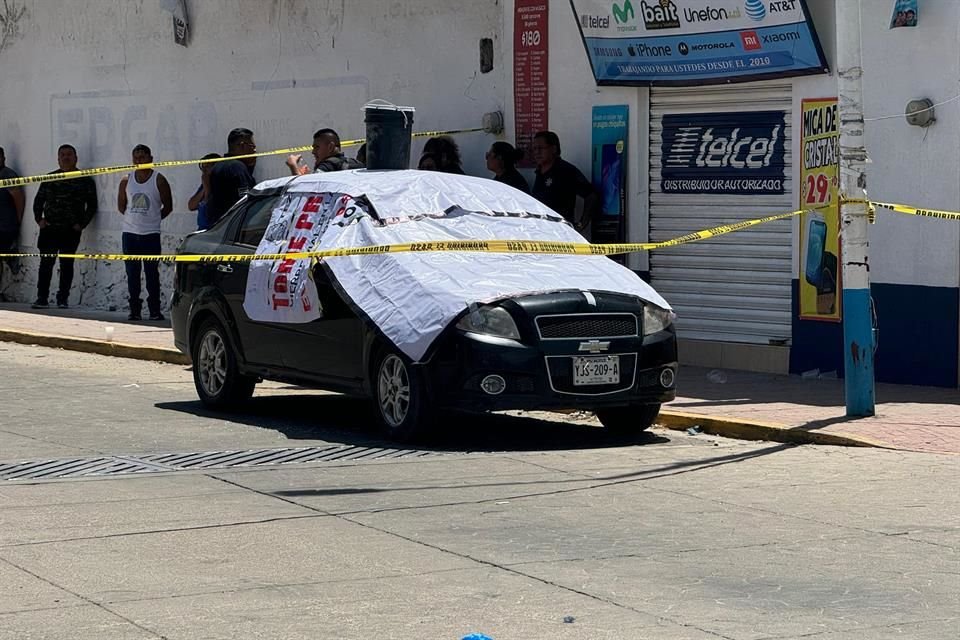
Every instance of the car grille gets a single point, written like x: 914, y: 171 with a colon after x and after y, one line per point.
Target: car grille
x: 587, y: 325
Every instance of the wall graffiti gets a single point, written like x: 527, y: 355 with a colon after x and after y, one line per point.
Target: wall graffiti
x: 11, y: 14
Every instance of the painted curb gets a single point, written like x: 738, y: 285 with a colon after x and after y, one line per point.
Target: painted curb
x: 86, y: 345
x: 753, y: 430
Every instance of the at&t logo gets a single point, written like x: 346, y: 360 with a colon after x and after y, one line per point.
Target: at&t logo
x: 756, y: 10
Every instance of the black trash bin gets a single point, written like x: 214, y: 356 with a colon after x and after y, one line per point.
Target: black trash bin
x: 389, y: 130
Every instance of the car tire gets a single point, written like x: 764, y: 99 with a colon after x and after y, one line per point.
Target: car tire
x: 400, y: 396
x: 219, y: 382
x: 628, y: 420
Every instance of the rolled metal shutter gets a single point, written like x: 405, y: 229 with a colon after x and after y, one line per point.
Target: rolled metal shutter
x: 737, y: 287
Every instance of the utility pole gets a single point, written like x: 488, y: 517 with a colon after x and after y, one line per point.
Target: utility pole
x: 854, y: 217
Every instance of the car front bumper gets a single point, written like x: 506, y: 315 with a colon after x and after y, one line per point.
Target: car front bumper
x: 541, y: 376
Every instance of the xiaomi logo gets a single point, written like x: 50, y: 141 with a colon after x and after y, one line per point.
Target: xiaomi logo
x: 751, y: 41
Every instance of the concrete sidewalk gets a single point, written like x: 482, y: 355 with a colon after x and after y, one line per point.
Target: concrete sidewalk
x: 730, y: 403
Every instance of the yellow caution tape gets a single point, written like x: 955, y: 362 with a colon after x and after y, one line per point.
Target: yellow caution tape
x: 100, y: 171
x: 480, y: 246
x: 913, y: 211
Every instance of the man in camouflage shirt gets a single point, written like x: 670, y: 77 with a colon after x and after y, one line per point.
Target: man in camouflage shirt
x: 62, y: 209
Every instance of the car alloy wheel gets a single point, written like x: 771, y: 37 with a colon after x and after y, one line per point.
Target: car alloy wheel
x: 393, y: 384
x: 212, y: 363
x: 219, y: 381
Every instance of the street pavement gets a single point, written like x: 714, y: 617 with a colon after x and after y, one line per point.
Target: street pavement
x: 516, y: 527
x: 729, y: 403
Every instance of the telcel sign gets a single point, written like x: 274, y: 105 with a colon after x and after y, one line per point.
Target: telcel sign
x: 693, y: 42
x: 725, y: 153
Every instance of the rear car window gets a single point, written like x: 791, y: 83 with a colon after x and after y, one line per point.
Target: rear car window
x: 255, y: 220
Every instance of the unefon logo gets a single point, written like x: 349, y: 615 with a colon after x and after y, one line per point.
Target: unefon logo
x: 756, y: 10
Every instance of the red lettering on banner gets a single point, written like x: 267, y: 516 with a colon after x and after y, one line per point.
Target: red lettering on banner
x: 313, y: 204
x: 305, y: 301
x: 279, y: 301
x: 280, y: 284
x: 286, y: 266
x: 297, y: 244
x: 303, y: 222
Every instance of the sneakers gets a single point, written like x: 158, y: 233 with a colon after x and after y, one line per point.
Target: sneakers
x: 62, y: 305
x: 156, y: 317
x: 134, y: 315
x: 40, y: 304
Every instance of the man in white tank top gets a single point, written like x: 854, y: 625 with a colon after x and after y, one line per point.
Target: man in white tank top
x: 144, y: 200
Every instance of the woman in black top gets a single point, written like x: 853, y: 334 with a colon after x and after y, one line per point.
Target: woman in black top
x: 447, y: 153
x: 502, y: 160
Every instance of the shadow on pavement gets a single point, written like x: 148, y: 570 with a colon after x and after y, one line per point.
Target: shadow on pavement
x: 582, y: 483
x: 345, y: 420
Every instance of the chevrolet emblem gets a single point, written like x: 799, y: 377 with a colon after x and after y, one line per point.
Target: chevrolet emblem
x: 594, y: 346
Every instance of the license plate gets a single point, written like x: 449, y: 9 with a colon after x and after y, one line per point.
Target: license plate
x: 599, y: 370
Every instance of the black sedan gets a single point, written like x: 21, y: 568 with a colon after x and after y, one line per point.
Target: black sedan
x: 613, y: 354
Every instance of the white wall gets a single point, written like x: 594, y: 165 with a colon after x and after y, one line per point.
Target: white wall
x: 109, y: 76
x: 909, y: 164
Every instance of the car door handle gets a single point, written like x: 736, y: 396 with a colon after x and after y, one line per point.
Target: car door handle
x: 225, y: 268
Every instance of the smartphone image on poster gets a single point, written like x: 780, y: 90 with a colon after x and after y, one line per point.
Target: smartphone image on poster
x: 815, y: 247
x: 611, y: 167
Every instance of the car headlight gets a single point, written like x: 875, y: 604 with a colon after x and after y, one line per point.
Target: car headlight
x: 656, y: 319
x: 490, y: 321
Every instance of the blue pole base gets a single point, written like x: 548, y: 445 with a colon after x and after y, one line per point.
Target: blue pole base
x: 858, y: 353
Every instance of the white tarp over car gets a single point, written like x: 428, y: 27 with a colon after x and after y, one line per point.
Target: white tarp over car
x: 413, y: 297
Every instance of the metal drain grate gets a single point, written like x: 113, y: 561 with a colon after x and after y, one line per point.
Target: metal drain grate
x: 166, y: 462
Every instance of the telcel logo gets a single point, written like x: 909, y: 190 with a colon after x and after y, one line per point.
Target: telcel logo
x: 749, y: 152
x: 594, y: 22
x: 662, y: 15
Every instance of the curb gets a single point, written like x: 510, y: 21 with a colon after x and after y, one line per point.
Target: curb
x: 753, y: 430
x: 86, y: 345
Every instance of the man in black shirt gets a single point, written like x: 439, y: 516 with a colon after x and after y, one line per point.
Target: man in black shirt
x: 559, y: 183
x: 326, y: 154
x: 231, y: 179
x: 62, y: 210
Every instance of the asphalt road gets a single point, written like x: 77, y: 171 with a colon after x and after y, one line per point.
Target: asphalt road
x: 517, y: 527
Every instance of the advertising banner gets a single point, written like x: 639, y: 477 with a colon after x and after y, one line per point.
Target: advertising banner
x: 610, y: 171
x: 820, y: 230
x: 530, y: 77
x: 724, y: 153
x: 695, y: 42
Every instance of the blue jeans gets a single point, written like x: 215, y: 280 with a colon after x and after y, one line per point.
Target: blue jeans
x: 143, y: 245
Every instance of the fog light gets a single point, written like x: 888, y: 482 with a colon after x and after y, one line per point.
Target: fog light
x: 493, y: 385
x: 667, y: 378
